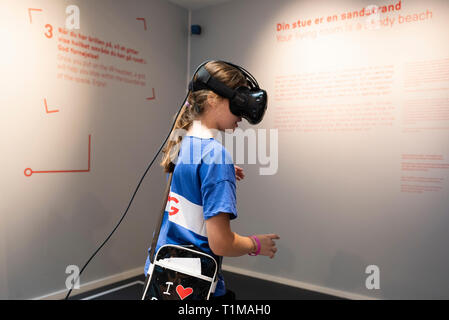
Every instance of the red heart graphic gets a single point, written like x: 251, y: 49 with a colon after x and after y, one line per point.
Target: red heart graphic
x: 183, y: 293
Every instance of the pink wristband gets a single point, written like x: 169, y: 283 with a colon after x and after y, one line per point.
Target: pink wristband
x: 258, y: 246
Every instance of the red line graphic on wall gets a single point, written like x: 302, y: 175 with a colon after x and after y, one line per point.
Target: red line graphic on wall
x: 153, y: 97
x: 29, y: 13
x: 28, y: 171
x: 144, y: 22
x: 46, y: 107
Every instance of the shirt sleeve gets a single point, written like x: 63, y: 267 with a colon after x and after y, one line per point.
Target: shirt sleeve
x: 218, y: 188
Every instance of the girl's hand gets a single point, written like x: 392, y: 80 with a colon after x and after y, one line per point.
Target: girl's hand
x: 239, y: 175
x: 267, y: 245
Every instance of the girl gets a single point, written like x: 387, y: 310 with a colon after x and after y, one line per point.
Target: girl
x: 202, y: 198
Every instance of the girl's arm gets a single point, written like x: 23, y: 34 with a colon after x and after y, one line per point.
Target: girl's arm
x: 224, y: 242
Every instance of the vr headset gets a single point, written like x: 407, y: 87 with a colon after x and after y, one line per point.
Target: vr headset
x: 246, y: 102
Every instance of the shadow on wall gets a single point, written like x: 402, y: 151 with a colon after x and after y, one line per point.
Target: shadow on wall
x: 92, y: 222
x: 71, y: 229
x: 347, y: 272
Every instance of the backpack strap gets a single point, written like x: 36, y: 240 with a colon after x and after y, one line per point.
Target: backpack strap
x: 161, y: 217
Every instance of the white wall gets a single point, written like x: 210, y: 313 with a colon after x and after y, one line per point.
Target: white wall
x: 340, y: 199
x: 344, y: 196
x: 51, y: 220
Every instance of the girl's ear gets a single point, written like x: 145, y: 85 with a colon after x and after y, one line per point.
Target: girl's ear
x: 212, y: 99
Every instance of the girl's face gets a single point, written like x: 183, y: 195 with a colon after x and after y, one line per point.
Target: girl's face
x: 222, y: 115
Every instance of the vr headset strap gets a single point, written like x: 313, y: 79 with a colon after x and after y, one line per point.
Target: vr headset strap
x: 205, y: 81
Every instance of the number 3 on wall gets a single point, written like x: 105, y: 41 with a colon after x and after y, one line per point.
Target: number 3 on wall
x: 49, y: 33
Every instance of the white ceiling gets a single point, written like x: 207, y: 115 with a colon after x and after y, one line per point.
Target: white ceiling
x: 197, y: 4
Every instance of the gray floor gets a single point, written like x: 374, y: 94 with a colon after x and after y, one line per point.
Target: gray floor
x: 245, y: 288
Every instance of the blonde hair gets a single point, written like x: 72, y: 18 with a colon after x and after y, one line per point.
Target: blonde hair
x: 197, y: 103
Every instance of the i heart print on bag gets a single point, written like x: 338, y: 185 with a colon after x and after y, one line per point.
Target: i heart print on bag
x: 183, y: 292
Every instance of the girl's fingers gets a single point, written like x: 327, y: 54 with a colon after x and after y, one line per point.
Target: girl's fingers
x: 239, y: 171
x: 239, y: 176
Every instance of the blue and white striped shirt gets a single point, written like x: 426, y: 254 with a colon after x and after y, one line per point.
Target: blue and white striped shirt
x: 203, y: 185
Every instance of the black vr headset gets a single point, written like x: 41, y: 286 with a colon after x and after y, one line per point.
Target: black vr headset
x: 246, y: 102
